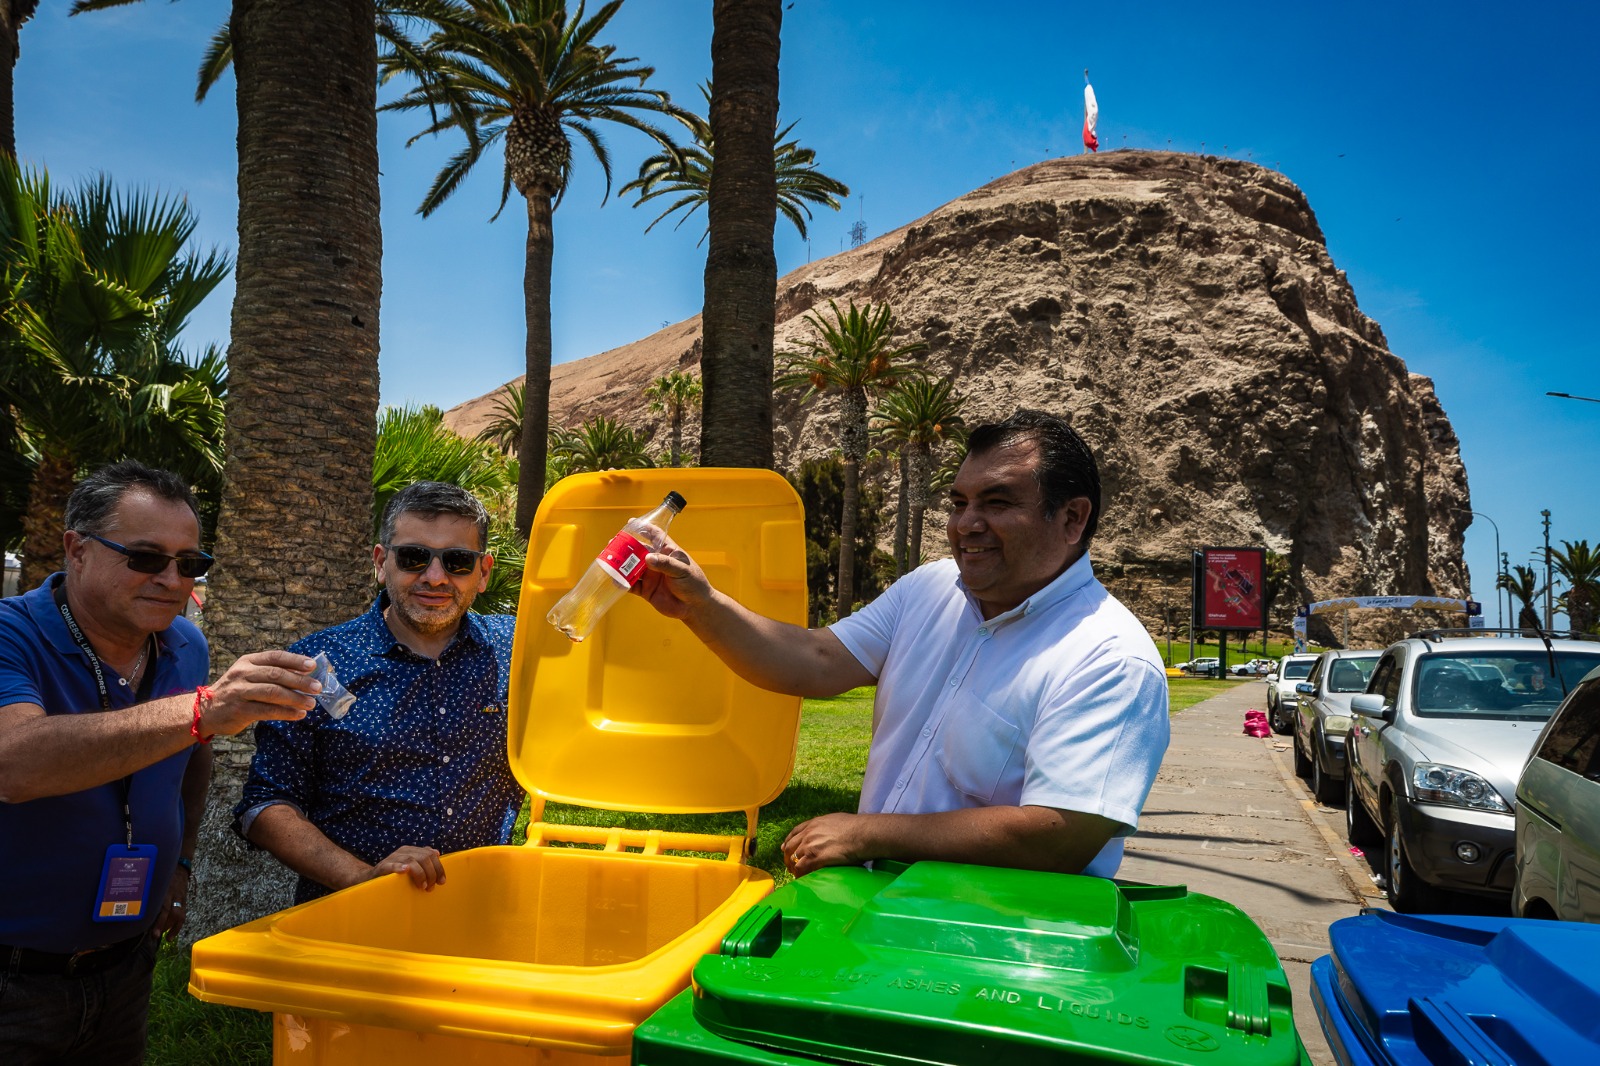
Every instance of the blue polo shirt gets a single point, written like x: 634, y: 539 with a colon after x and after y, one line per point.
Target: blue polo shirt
x: 420, y: 759
x: 55, y: 846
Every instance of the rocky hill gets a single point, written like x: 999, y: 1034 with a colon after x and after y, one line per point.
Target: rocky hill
x: 1185, y: 313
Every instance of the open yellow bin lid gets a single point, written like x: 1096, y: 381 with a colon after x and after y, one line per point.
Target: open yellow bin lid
x: 641, y: 716
x: 565, y: 948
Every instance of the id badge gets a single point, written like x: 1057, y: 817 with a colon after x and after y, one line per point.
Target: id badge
x: 125, y: 883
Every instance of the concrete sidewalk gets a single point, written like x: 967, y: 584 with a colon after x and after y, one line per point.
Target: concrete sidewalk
x: 1228, y: 818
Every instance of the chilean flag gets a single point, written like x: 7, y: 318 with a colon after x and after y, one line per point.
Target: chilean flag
x: 1091, y: 115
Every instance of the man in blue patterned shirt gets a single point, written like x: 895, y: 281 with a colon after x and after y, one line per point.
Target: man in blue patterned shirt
x: 417, y: 767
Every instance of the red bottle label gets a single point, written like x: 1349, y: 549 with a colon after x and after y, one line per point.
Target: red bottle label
x: 624, y: 557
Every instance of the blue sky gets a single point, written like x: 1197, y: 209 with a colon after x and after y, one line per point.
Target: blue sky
x: 1449, y: 151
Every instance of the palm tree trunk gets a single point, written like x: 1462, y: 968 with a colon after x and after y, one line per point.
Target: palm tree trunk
x: 921, y: 457
x: 532, y: 453
x: 853, y: 443
x: 677, y: 433
x: 43, y: 552
x: 845, y: 592
x: 13, y: 13
x: 295, y: 532
x: 902, y: 514
x: 741, y: 278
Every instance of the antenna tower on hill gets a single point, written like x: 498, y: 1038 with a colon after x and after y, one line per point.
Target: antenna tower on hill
x: 858, y: 229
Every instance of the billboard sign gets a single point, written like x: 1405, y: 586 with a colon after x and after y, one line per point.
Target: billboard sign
x: 1231, y: 588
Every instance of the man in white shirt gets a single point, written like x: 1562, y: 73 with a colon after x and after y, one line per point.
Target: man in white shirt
x: 1021, y: 712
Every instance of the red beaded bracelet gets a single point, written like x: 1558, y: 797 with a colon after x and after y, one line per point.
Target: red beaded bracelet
x: 201, y: 695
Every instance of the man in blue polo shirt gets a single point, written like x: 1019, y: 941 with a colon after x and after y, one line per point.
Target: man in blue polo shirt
x: 1021, y: 711
x: 417, y: 767
x: 102, y: 774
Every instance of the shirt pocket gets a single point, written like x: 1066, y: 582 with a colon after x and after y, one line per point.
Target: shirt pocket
x: 980, y: 752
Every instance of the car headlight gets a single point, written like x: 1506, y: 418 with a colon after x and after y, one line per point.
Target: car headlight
x: 1433, y: 783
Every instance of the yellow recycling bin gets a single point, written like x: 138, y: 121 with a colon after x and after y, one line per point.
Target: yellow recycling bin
x: 554, y: 951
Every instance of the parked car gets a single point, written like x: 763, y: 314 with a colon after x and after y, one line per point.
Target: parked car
x: 1201, y: 667
x: 1290, y: 671
x: 1558, y: 814
x: 1253, y: 668
x: 1435, y: 751
x: 1322, y: 718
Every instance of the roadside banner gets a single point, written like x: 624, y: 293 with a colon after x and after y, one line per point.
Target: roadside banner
x: 1231, y: 588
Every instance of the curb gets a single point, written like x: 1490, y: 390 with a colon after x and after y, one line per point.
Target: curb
x: 1356, y: 876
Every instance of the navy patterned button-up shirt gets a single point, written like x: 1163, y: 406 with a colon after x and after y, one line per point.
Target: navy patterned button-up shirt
x: 420, y: 759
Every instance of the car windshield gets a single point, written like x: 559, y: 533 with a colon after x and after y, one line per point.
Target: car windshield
x: 1351, y: 674
x: 1300, y: 668
x: 1511, y: 684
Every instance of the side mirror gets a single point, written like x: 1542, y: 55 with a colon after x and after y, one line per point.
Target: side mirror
x: 1305, y: 688
x: 1371, y: 704
x: 1272, y: 679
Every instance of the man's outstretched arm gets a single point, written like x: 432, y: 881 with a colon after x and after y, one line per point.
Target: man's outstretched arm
x: 770, y: 654
x: 294, y: 841
x: 1027, y: 838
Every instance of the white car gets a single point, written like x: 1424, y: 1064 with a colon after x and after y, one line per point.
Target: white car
x: 1203, y: 667
x: 1253, y: 668
x: 1281, y: 696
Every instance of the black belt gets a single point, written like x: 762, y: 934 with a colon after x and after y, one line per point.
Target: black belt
x: 68, y: 964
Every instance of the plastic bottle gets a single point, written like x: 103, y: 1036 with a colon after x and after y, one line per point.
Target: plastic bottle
x: 617, y: 568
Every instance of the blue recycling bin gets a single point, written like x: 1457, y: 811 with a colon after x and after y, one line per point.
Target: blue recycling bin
x: 1424, y: 990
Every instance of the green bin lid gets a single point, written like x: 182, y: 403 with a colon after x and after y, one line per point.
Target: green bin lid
x: 948, y: 963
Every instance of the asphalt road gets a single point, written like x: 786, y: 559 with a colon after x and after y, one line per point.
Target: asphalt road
x: 1229, y: 818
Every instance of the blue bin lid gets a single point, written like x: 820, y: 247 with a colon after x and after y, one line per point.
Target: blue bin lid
x: 1435, y: 989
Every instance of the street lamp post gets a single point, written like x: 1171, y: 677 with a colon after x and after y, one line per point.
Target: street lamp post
x: 1500, y: 615
x: 1547, y: 616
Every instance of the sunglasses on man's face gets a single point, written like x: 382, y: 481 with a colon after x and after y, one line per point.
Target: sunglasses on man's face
x: 147, y: 562
x: 414, y: 558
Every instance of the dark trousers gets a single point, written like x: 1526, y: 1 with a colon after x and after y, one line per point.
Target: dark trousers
x: 96, y: 1019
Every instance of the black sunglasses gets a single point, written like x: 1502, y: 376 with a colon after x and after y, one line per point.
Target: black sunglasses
x: 143, y: 562
x: 414, y: 558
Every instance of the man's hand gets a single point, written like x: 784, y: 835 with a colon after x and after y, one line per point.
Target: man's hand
x: 831, y: 840
x: 169, y: 920
x: 262, y: 685
x: 672, y: 583
x: 422, y: 865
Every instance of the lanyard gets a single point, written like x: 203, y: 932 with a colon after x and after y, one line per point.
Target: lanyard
x: 59, y: 592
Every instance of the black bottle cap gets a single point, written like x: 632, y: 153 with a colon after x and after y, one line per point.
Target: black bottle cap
x: 676, y: 502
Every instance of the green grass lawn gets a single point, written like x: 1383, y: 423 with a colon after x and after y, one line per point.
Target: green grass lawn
x: 829, y: 763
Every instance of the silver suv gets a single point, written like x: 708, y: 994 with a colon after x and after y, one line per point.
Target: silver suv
x: 1290, y: 671
x: 1322, y: 720
x: 1435, y: 748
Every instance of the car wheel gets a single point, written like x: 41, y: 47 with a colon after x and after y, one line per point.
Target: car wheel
x: 1359, y: 827
x: 1280, y: 724
x: 1302, y: 765
x: 1407, y: 893
x: 1328, y: 791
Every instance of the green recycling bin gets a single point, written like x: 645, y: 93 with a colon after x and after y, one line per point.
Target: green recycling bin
x: 947, y: 963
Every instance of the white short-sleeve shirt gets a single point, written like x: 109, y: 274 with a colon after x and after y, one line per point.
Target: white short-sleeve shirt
x: 1060, y: 702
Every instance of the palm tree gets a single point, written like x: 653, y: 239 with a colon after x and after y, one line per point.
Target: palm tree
x: 852, y: 354
x: 686, y: 174
x: 599, y: 444
x: 525, y: 72
x: 674, y: 393
x: 294, y: 537
x: 1523, y: 584
x: 13, y: 13
x: 741, y: 210
x: 504, y: 430
x: 1580, y: 566
x: 97, y: 288
x: 921, y: 413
